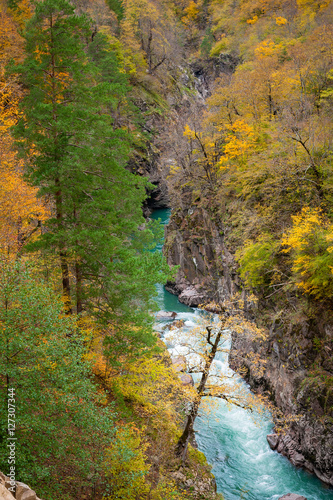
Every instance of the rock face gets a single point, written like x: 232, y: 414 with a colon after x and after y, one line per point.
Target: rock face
x: 308, y: 440
x: 273, y: 440
x: 197, y: 242
x: 203, y: 488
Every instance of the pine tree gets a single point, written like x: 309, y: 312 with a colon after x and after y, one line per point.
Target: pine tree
x: 74, y: 137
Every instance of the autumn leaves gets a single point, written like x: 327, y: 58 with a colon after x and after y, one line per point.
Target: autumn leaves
x: 263, y: 149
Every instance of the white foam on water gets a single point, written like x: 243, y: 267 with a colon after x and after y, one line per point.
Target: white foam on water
x: 243, y: 464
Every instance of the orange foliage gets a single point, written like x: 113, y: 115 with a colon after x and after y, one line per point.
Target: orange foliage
x: 20, y: 209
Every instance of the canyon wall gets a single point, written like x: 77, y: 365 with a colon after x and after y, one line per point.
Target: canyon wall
x: 197, y: 242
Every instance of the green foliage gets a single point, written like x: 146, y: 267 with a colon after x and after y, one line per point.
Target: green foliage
x: 61, y: 428
x: 318, y: 385
x: 74, y: 137
x: 207, y: 43
x: 117, y: 7
x: 256, y: 259
x: 219, y: 47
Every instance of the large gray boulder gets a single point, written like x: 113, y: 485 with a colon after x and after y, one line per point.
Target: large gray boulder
x: 166, y: 315
x: 191, y: 297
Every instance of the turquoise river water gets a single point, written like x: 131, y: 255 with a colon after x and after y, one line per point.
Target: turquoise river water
x: 243, y: 464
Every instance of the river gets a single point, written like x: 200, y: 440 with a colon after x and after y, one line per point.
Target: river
x: 243, y: 464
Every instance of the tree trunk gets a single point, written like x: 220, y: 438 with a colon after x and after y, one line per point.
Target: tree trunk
x: 66, y: 287
x: 182, y: 445
x: 78, y: 275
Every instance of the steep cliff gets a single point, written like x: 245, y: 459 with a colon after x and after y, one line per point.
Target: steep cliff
x: 298, y: 377
x: 195, y: 242
x: 297, y: 371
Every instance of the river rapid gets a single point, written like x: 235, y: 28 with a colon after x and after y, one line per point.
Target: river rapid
x: 234, y: 444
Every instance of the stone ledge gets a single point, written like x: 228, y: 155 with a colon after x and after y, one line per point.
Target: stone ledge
x: 22, y: 492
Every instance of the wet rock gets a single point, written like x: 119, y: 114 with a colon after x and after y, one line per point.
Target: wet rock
x: 297, y: 459
x: 166, y: 315
x: 186, y: 379
x: 179, y: 323
x: 179, y: 363
x: 191, y: 297
x: 292, y: 496
x: 273, y: 440
x: 326, y: 478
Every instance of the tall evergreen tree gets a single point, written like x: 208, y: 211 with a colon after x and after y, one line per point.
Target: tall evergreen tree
x: 74, y: 137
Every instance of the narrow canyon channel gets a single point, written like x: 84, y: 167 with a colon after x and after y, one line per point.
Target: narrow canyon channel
x: 243, y: 464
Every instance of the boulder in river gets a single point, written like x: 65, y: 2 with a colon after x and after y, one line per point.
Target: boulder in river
x: 166, y: 315
x: 186, y: 379
x: 292, y: 496
x: 179, y: 363
x: 273, y: 440
x: 178, y: 323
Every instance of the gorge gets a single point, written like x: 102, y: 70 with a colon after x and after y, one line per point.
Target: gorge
x: 234, y: 444
x: 217, y: 115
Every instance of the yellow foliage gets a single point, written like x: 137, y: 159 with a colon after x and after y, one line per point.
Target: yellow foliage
x: 239, y: 141
x: 191, y: 13
x: 253, y: 20
x: 21, y: 210
x: 153, y: 386
x: 267, y: 49
x: 125, y: 465
x: 188, y: 132
x: 123, y: 53
x: 167, y: 490
x: 304, y: 225
x: 313, y: 5
x: 219, y: 46
x: 310, y: 243
x: 280, y: 21
x: 22, y: 13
